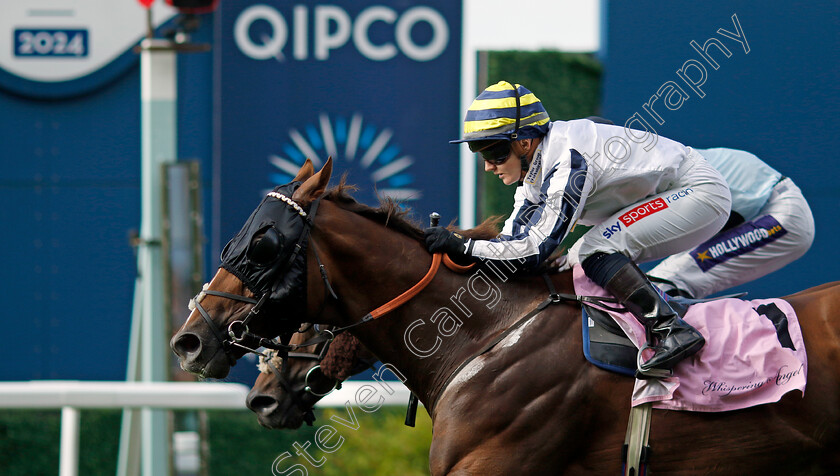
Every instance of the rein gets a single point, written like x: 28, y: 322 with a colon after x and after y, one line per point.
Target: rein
x: 408, y: 294
x: 238, y: 333
x: 437, y: 259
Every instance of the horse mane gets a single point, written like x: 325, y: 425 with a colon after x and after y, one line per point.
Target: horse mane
x: 392, y: 215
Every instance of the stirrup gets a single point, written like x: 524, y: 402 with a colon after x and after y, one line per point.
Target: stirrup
x: 645, y: 374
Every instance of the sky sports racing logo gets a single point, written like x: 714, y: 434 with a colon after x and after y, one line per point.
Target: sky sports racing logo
x: 737, y: 241
x: 643, y: 210
x: 634, y: 215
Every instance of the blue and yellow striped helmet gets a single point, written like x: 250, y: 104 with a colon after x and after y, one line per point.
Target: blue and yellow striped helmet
x: 507, y: 112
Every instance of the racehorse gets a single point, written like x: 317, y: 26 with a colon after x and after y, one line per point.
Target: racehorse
x: 529, y: 405
x: 287, y: 389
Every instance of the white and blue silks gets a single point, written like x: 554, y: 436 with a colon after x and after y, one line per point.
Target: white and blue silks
x: 583, y: 172
x: 542, y: 213
x: 750, y: 180
x: 778, y: 228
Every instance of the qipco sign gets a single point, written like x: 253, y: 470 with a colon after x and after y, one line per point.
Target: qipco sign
x: 378, y: 32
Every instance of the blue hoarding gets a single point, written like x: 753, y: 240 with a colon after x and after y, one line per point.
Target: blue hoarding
x: 70, y: 181
x: 748, y: 75
x: 374, y: 85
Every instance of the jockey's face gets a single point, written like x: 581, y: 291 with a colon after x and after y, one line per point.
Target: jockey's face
x: 509, y: 171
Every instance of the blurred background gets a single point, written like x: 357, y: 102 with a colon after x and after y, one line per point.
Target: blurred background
x: 379, y: 86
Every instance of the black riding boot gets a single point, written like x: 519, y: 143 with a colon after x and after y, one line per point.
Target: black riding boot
x: 675, y: 338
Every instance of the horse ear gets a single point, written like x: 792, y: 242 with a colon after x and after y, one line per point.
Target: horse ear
x: 314, y: 186
x: 306, y: 171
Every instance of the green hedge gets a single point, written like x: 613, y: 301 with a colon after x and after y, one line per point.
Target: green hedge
x: 382, y: 445
x: 238, y: 445
x: 29, y: 442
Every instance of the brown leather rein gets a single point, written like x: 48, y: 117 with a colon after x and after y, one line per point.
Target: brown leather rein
x: 403, y: 298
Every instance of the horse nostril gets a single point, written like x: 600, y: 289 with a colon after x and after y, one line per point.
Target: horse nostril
x: 262, y: 404
x: 186, y: 344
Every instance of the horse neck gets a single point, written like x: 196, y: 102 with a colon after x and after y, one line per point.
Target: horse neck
x: 430, y: 336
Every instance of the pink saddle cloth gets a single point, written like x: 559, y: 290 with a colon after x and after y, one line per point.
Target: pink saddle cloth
x: 743, y: 363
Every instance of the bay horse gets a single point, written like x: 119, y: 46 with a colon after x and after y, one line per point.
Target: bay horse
x: 286, y: 390
x: 530, y: 405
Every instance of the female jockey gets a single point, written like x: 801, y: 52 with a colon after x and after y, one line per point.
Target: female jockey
x: 770, y: 226
x: 647, y: 197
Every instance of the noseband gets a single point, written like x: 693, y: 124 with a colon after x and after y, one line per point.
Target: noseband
x: 282, y: 378
x: 237, y: 331
x: 285, y: 383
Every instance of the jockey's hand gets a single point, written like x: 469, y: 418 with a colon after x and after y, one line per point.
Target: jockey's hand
x: 561, y: 264
x: 439, y: 239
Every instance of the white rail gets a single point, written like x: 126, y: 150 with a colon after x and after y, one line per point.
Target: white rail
x: 72, y: 395
x: 90, y: 394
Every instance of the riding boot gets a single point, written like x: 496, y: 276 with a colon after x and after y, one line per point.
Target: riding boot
x: 675, y: 338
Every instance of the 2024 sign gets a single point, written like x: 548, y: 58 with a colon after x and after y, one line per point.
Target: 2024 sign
x: 50, y: 42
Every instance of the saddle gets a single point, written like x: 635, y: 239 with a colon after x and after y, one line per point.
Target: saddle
x: 754, y: 354
x: 754, y: 351
x: 607, y: 346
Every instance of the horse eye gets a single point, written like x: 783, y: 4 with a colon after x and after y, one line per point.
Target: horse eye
x: 265, y: 247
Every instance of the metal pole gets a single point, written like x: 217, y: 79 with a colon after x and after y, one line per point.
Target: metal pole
x: 159, y: 146
x: 150, y: 353
x: 128, y: 458
x: 69, y: 458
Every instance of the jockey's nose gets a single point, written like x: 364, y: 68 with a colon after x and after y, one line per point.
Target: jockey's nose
x: 261, y: 403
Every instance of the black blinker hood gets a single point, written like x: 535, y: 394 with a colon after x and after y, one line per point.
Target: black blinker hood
x: 277, y: 265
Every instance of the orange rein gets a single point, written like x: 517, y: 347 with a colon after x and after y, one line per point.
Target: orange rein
x: 447, y: 261
x: 414, y: 290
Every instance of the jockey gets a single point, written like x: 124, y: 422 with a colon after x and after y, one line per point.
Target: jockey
x: 645, y: 199
x: 763, y: 201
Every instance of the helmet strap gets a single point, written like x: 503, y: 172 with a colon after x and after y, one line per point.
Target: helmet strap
x: 524, y: 161
x: 515, y: 133
x: 523, y: 156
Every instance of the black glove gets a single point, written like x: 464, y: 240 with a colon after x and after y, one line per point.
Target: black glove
x: 440, y: 239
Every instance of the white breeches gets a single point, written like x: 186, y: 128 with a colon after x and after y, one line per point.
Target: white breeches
x: 691, y: 212
x: 781, y: 233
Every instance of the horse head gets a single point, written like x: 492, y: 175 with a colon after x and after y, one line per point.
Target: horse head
x: 263, y: 270
x: 311, y: 255
x: 287, y: 389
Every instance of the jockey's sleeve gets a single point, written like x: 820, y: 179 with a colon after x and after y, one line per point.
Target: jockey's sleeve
x: 536, y: 227
x: 518, y: 203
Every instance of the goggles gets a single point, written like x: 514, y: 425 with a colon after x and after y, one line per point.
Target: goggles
x: 495, y: 152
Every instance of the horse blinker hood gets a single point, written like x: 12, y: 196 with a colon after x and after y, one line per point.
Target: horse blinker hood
x: 269, y: 252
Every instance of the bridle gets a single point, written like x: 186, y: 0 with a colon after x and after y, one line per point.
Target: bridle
x: 238, y: 334
x: 283, y: 380
x: 282, y: 377
x: 237, y: 330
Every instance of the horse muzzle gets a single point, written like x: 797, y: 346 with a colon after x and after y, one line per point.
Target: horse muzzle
x: 199, y: 356
x: 270, y: 413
